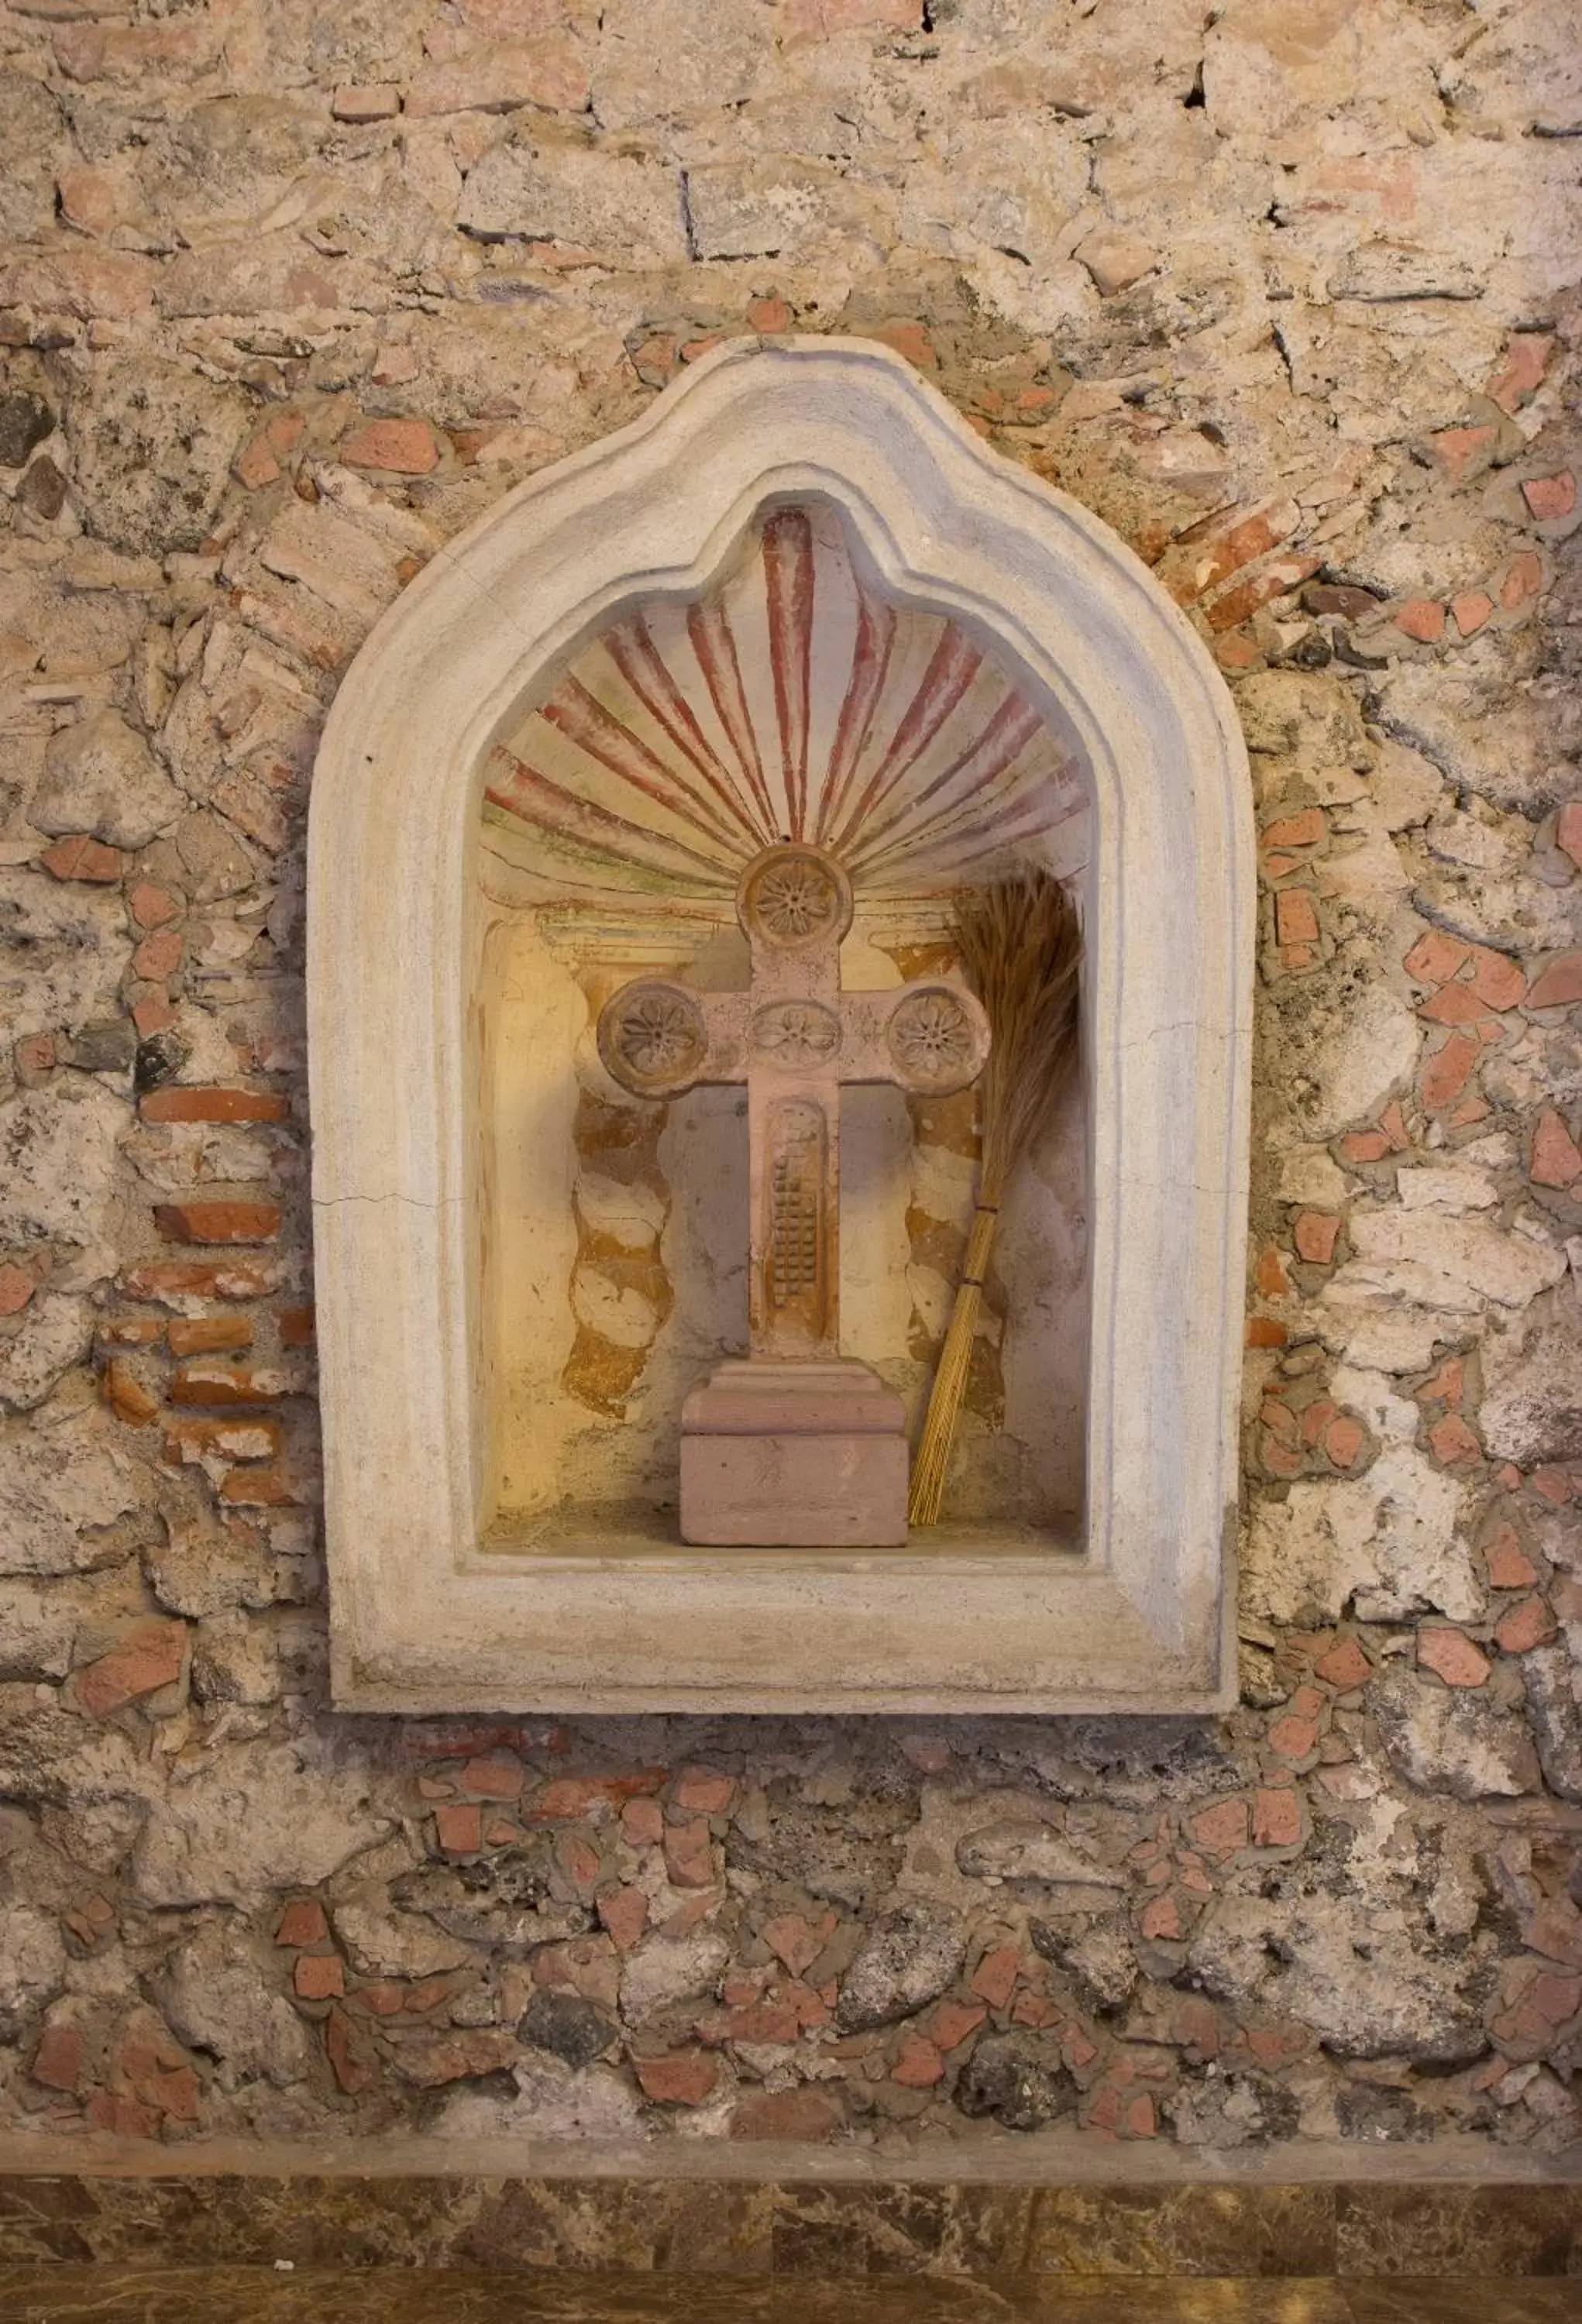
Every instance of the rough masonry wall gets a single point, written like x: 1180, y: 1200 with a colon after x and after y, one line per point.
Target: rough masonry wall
x: 291, y: 293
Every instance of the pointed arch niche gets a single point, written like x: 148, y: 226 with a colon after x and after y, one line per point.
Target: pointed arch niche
x: 797, y: 599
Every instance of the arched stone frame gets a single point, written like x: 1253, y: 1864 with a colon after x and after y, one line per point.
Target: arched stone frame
x: 421, y: 1619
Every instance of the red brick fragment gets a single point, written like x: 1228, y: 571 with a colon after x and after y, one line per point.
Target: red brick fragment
x: 459, y: 1827
x: 642, y: 1822
x: 348, y: 2060
x: 295, y: 1326
x: 1160, y: 1918
x: 802, y: 2114
x: 1315, y: 1235
x: 1435, y: 958
x: 1451, y: 1655
x: 1527, y: 354
x: 1364, y: 1146
x: 1464, y: 451
x: 401, y: 447
x: 1444, y: 1076
x: 679, y: 2078
x: 1556, y: 1158
x: 301, y: 1923
x: 911, y: 340
x: 1303, y: 830
x: 152, y: 1013
x: 1344, y: 1668
x: 170, y: 1281
x: 1295, y: 916
x: 951, y: 2023
x: 1269, y: 1276
x: 152, y: 907
x: 771, y: 315
x: 123, y: 2118
x: 1344, y: 1439
x: 220, y: 1384
x: 1453, y: 1441
x: 57, y: 2061
x: 1509, y: 1565
x: 1496, y: 978
x: 1277, y: 580
x: 212, y: 1103
x: 158, y: 955
x: 149, y: 1655
x: 126, y: 1396
x: 1558, y: 984
x: 1222, y: 1829
x: 16, y: 1288
x: 1472, y: 608
x: 79, y: 857
x: 1293, y: 1737
x: 917, y: 2064
x: 993, y: 1980
x: 688, y: 1854
x: 209, y: 1335
x: 1549, y: 498
x: 1526, y: 1626
x: 1555, y: 1484
x: 1277, y: 1817
x: 494, y: 1775
x: 246, y: 1222
x: 575, y: 1795
x: 365, y: 103
x: 1265, y: 1331
x: 318, y: 1977
x: 624, y: 1914
x: 1453, y: 1004
x: 703, y: 1791
x: 1422, y: 618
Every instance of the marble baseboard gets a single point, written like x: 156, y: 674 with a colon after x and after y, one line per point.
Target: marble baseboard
x: 97, y: 2295
x: 806, y: 2229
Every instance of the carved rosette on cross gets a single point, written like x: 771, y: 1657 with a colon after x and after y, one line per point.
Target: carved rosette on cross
x: 796, y: 1445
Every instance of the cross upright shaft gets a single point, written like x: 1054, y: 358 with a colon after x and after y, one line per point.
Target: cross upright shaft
x: 793, y: 1037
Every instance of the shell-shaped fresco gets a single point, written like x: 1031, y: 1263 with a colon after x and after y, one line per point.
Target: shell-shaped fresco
x: 790, y: 702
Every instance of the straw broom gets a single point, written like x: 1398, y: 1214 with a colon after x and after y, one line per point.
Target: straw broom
x: 1021, y: 945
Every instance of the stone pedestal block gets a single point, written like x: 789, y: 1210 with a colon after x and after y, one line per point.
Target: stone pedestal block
x: 800, y: 1455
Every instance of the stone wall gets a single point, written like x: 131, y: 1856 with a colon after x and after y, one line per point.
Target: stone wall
x: 290, y: 294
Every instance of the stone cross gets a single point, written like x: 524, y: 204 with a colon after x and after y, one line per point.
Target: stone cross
x: 793, y: 1036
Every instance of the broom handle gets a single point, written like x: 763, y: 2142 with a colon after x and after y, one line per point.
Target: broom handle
x: 928, y: 1483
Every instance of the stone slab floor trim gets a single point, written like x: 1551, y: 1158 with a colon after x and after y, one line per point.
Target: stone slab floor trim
x: 76, y: 2295
x: 284, y: 305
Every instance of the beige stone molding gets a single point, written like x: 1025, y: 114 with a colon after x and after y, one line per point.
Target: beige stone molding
x: 423, y: 1619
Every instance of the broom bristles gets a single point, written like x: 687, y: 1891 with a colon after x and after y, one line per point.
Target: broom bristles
x: 1021, y: 945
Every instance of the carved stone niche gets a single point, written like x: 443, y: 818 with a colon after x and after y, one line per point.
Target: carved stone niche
x: 798, y: 601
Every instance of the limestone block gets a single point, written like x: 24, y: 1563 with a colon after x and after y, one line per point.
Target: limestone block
x: 63, y: 1481
x: 1392, y: 1539
x: 1453, y: 1739
x: 1344, y: 1052
x: 64, y: 948
x: 53, y: 1332
x: 215, y: 1996
x: 261, y: 1817
x: 59, y: 1145
x: 100, y: 776
x: 580, y: 195
x: 1531, y: 1408
x: 32, y: 1961
x: 1439, y: 1261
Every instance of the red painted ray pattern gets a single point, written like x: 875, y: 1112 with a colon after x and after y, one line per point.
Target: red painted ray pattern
x: 791, y: 701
